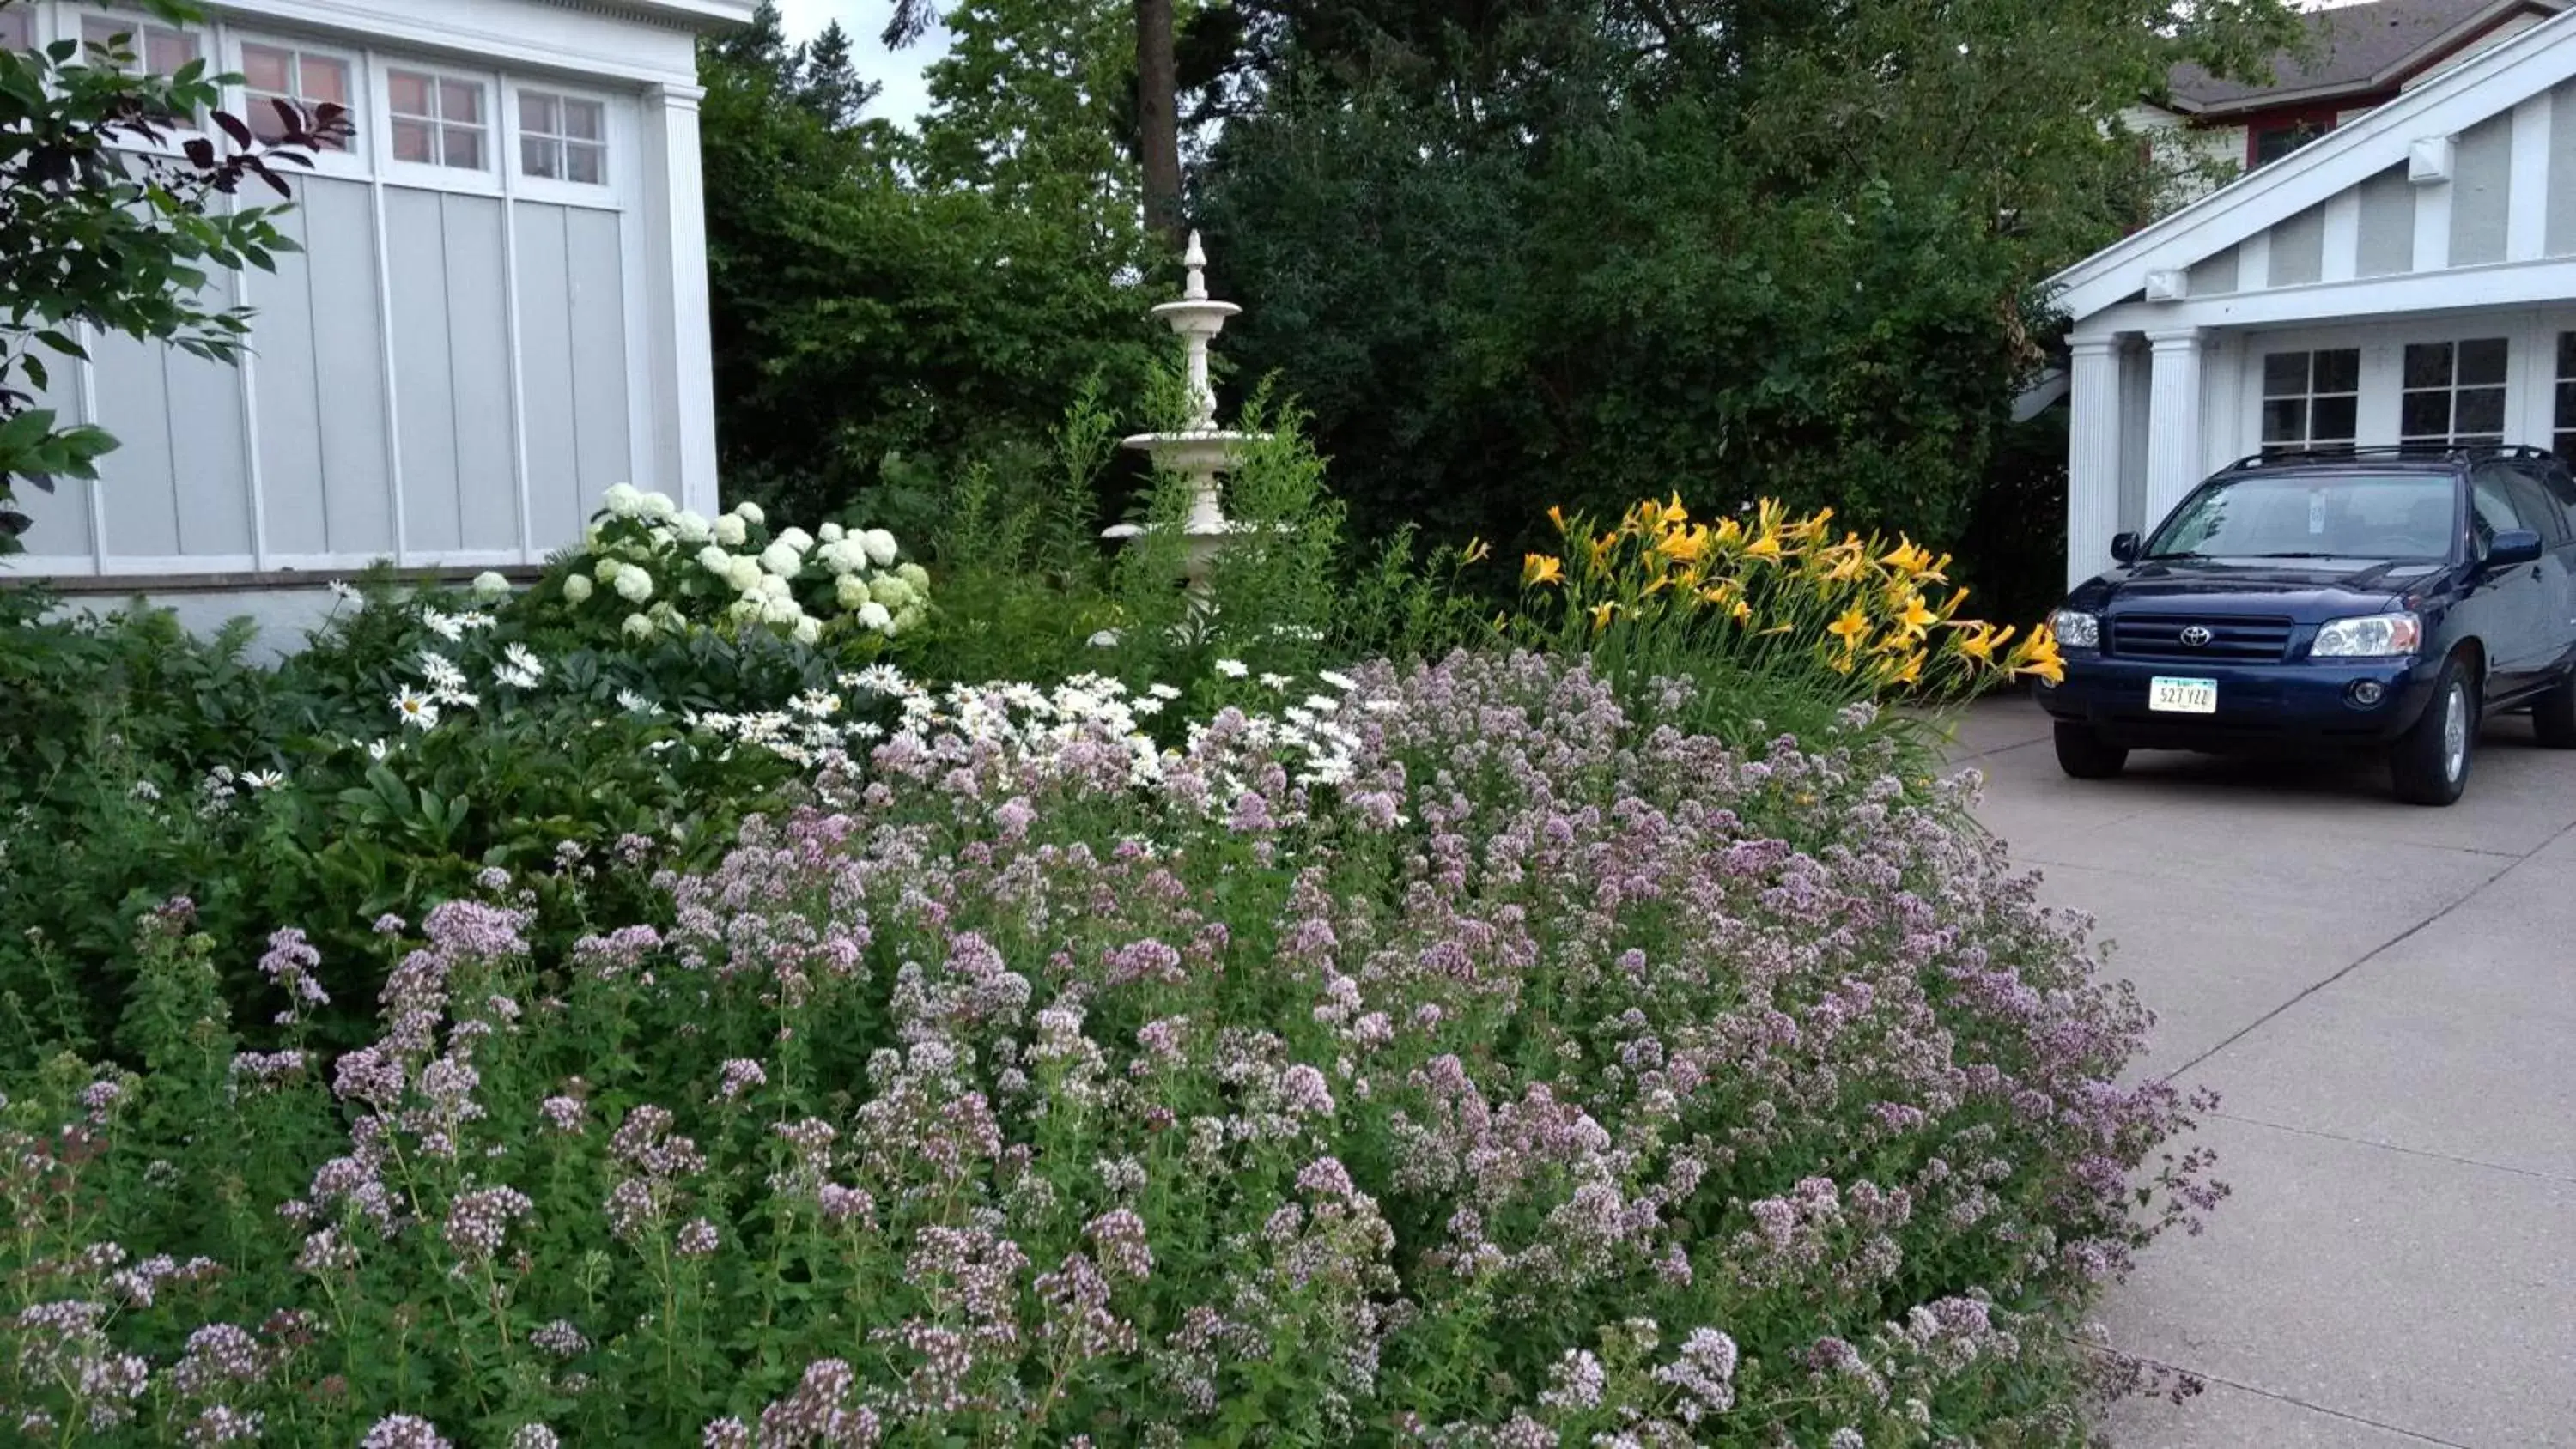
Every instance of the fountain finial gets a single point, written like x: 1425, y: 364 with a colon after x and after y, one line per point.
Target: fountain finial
x: 1196, y: 260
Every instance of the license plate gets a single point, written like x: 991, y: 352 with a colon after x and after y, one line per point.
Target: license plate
x: 2183, y: 696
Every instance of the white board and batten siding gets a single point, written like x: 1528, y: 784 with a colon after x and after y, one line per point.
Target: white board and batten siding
x: 2446, y: 216
x: 460, y: 359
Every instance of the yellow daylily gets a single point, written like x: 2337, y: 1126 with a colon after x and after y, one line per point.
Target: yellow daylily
x: 1542, y: 568
x: 1916, y: 617
x: 1477, y: 551
x: 1683, y: 545
x: 1907, y: 557
x: 1602, y: 613
x: 1850, y: 627
x: 1556, y: 515
x: 1765, y: 547
x: 1674, y: 512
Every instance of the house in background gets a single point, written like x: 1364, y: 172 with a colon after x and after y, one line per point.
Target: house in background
x: 500, y: 308
x: 2360, y: 57
x: 2409, y: 277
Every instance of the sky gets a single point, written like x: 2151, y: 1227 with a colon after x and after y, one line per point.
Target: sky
x: 900, y: 72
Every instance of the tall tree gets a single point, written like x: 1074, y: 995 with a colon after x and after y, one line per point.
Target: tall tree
x: 1158, y: 123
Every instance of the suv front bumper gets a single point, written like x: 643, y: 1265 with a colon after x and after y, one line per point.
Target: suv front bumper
x: 2259, y: 705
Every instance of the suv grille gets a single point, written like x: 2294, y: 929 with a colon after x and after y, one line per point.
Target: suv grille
x: 2159, y: 636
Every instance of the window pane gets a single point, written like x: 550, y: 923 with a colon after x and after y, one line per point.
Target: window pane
x: 2428, y: 364
x: 537, y: 155
x: 2285, y: 374
x: 165, y: 51
x: 268, y: 69
x: 2285, y: 420
x: 2425, y: 415
x: 408, y: 94
x: 2335, y: 419
x: 2566, y: 417
x: 2482, y: 361
x: 326, y: 81
x: 460, y: 101
x: 414, y: 141
x: 17, y: 29
x: 537, y: 112
x: 2567, y: 354
x: 464, y: 148
x: 586, y: 164
x: 265, y: 122
x: 2339, y: 370
x: 584, y: 120
x: 2480, y: 410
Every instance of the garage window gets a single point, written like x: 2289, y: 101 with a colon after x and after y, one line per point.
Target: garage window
x: 2453, y: 393
x: 2311, y: 400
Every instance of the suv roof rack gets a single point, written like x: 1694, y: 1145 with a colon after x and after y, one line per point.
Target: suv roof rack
x: 2346, y: 452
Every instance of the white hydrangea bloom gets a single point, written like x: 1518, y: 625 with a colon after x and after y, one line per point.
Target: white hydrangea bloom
x: 622, y: 500
x: 607, y: 570
x: 692, y: 526
x: 488, y: 586
x: 634, y: 585
x: 915, y: 575
x: 577, y: 588
x: 851, y: 590
x: 743, y: 572
x: 880, y: 546
x: 716, y: 561
x: 659, y: 505
x: 808, y: 629
x: 831, y: 532
x: 637, y: 626
x: 873, y: 615
x: 780, y: 611
x: 774, y: 587
x: 779, y: 559
x: 731, y: 531
x: 749, y: 512
x: 890, y: 591
x: 796, y: 538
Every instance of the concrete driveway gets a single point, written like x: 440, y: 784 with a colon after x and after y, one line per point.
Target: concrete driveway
x: 2384, y: 996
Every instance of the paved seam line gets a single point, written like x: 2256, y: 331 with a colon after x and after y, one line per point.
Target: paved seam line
x: 2373, y: 954
x: 2331, y: 1413
x: 2394, y: 1147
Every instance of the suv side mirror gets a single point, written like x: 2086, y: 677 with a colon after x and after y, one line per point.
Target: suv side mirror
x: 2513, y: 548
x: 2124, y: 548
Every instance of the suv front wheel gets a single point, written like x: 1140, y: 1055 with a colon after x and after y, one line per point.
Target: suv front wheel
x: 2430, y: 765
x: 2083, y: 754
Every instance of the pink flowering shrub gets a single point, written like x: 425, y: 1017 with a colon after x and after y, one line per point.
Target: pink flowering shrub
x: 1548, y: 1076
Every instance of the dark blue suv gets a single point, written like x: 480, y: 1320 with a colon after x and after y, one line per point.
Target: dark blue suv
x: 2370, y: 599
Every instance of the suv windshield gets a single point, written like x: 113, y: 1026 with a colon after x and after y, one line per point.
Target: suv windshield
x: 2331, y: 515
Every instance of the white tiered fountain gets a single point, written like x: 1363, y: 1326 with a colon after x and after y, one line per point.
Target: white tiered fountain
x: 1201, y: 452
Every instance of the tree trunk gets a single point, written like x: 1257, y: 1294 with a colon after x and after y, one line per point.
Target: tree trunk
x: 1158, y: 118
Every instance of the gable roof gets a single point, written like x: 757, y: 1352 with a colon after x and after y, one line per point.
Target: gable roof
x: 2486, y: 85
x: 2355, y: 50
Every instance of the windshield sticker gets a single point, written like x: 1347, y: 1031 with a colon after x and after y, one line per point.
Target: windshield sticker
x: 2316, y: 510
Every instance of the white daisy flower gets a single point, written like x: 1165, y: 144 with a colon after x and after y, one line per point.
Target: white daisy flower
x: 377, y: 750
x: 1279, y: 682
x: 633, y: 703
x: 415, y: 709
x: 523, y: 658
x: 878, y: 679
x: 445, y: 626
x: 1342, y: 682
x: 341, y: 591
x: 1233, y: 668
x: 263, y: 779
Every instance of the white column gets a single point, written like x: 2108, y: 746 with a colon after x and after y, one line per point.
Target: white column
x: 2173, y: 420
x: 684, y: 389
x: 2092, y: 454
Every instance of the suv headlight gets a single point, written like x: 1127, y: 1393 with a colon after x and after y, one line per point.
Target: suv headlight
x: 2075, y: 629
x: 2380, y: 636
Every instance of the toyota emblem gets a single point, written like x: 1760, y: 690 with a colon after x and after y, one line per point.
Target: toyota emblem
x: 2196, y: 636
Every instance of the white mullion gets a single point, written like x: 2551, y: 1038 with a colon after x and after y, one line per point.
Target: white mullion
x: 504, y: 140
x: 392, y: 390
x: 247, y: 368
x: 85, y: 373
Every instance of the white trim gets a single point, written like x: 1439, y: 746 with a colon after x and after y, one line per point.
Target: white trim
x: 511, y: 330
x: 86, y: 372
x: 2432, y: 226
x: 247, y: 394
x: 2493, y: 284
x: 2527, y: 185
x: 684, y: 346
x: 643, y: 463
x: 392, y: 389
x: 2175, y: 443
x: 2501, y: 76
x: 552, y: 37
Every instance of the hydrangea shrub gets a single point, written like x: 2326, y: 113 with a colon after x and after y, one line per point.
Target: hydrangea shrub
x: 649, y: 567
x: 1475, y: 1062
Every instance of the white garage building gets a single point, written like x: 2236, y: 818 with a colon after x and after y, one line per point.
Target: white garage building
x: 499, y: 311
x: 2408, y: 278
